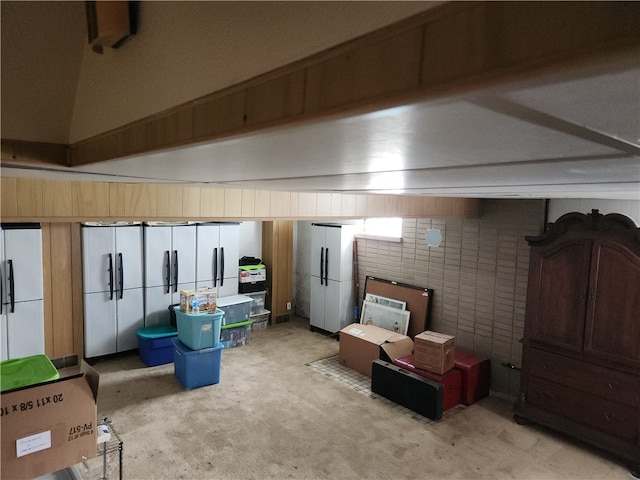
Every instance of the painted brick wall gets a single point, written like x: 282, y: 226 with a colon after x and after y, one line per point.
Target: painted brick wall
x: 478, y: 274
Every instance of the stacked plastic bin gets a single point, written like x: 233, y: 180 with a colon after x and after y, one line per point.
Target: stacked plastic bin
x: 155, y: 344
x: 236, y: 323
x: 197, y: 349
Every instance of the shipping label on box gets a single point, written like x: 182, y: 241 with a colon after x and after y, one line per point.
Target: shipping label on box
x: 434, y: 352
x: 202, y: 300
x: 49, y: 426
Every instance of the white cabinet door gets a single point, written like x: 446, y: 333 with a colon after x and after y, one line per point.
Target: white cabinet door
x: 157, y: 256
x: 98, y: 263
x: 25, y: 329
x: 23, y: 249
x: 230, y: 244
x: 334, y: 253
x: 208, y: 253
x: 128, y: 251
x: 22, y: 312
x: 183, y: 255
x: 130, y: 317
x: 157, y: 302
x: 317, y: 303
x: 318, y: 241
x: 218, y: 253
x: 100, y: 330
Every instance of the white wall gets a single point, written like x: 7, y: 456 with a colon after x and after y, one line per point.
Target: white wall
x: 251, y: 239
x: 560, y: 206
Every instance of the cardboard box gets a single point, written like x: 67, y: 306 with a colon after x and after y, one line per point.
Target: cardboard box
x: 49, y: 426
x: 361, y: 344
x: 206, y: 299
x: 434, y: 352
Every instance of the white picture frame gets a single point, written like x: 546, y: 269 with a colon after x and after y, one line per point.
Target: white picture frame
x: 383, y: 316
x: 389, y: 302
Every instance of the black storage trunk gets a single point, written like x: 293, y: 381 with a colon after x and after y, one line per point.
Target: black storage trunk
x: 407, y: 389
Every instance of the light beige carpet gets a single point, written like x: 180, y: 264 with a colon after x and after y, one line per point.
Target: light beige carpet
x: 274, y: 415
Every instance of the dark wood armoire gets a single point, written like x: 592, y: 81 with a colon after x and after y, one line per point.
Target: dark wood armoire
x: 581, y: 346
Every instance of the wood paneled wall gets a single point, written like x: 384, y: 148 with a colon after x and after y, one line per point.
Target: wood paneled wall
x: 277, y: 255
x: 37, y: 200
x: 62, y: 279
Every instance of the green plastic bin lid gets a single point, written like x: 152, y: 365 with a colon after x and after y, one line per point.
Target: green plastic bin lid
x: 157, y: 331
x: 252, y: 268
x: 235, y: 325
x: 26, y: 371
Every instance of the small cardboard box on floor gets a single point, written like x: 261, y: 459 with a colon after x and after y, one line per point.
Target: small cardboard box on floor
x: 361, y: 344
x: 49, y: 426
x: 434, y: 352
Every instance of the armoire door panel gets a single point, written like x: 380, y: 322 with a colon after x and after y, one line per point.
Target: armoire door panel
x: 614, y: 297
x: 559, y: 273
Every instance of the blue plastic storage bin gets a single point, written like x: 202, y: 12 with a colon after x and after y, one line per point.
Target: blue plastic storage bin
x: 196, y: 368
x: 154, y: 344
x: 199, y: 330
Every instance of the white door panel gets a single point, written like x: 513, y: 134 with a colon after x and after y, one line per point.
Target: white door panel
x: 97, y: 244
x: 157, y: 244
x: 25, y: 329
x: 208, y: 242
x: 23, y: 247
x: 157, y: 304
x: 128, y: 247
x: 317, y: 301
x: 230, y: 242
x: 99, y: 324
x: 184, y: 243
x: 130, y: 317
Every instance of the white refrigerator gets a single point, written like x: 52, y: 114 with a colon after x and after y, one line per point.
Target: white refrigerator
x: 332, y: 298
x: 113, y: 288
x: 218, y: 250
x: 21, y: 285
x: 169, y: 266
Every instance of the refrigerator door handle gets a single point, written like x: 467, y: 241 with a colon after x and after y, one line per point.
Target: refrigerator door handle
x: 175, y: 271
x: 326, y: 268
x: 121, y: 274
x: 321, y: 265
x: 12, y: 294
x: 110, y: 277
x: 1, y: 293
x: 215, y: 267
x: 221, y: 266
x: 167, y: 267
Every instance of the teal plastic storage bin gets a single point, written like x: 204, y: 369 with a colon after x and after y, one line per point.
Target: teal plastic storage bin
x: 196, y: 368
x: 154, y: 344
x: 26, y: 371
x: 199, y: 330
x: 236, y: 334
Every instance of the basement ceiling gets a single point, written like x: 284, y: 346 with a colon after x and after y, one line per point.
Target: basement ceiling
x: 574, y: 135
